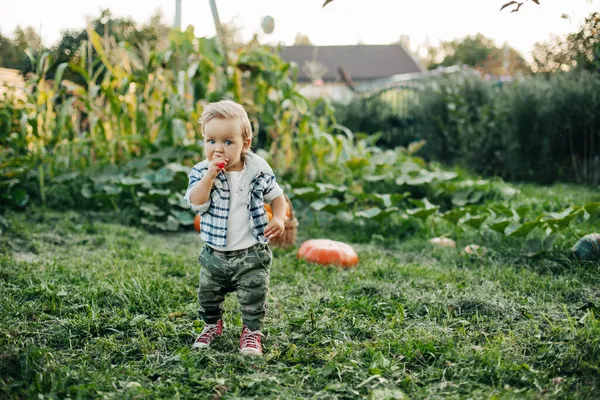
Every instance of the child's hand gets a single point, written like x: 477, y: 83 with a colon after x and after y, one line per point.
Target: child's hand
x: 216, y: 165
x: 275, y: 228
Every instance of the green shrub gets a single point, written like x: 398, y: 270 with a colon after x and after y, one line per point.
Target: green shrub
x: 537, y: 129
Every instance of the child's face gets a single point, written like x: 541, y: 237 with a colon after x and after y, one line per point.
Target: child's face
x: 223, y: 139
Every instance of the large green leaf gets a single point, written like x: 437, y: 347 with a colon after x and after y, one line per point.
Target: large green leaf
x: 423, y: 212
x: 327, y: 187
x: 163, y: 175
x: 500, y: 209
x: 369, y: 213
x: 469, y: 196
x: 564, y: 218
x: 455, y: 215
x: 330, y: 204
x: 376, y: 178
x: 19, y: 197
x: 538, y: 245
x: 357, y: 163
x: 131, y: 181
x: 308, y: 194
x: 592, y: 208
x: 183, y: 217
x: 60, y: 70
x: 385, y: 199
x: 522, y: 230
x: 151, y: 209
x: 533, y: 247
x: 109, y: 189
x: 500, y: 225
x: 475, y: 221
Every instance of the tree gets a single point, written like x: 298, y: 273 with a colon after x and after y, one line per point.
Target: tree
x: 10, y: 55
x: 516, y: 5
x: 27, y: 38
x: 482, y: 54
x: 302, y: 40
x: 578, y: 50
x: 472, y: 50
x: 12, y: 52
x: 108, y: 26
x: 585, y: 44
x: 552, y: 56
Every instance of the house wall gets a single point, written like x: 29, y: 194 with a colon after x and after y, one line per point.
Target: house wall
x: 335, y: 91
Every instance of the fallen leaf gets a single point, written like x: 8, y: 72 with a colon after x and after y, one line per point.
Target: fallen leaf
x: 176, y: 314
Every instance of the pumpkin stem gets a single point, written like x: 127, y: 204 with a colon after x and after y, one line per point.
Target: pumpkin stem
x: 574, y: 233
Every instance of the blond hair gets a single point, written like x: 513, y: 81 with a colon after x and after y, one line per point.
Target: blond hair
x: 226, y: 109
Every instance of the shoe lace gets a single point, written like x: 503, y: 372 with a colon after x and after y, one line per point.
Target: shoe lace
x: 251, y: 338
x: 208, y: 332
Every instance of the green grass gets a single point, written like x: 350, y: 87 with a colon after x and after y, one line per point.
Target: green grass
x: 93, y: 309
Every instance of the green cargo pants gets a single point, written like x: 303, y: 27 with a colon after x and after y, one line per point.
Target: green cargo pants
x: 245, y: 272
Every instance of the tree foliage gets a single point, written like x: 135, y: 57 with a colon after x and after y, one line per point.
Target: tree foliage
x: 302, y: 40
x: 578, y: 50
x: 73, y: 43
x: 515, y: 4
x: 481, y: 53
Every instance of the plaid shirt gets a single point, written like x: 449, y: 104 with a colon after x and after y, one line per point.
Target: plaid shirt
x: 263, y: 188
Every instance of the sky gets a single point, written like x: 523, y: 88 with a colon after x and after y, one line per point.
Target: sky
x: 342, y: 22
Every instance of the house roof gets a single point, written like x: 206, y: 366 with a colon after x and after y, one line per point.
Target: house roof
x: 361, y: 62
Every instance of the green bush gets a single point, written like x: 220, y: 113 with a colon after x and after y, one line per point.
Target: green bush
x: 538, y: 129
x: 379, y: 115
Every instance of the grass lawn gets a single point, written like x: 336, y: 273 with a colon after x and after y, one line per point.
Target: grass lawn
x: 93, y: 309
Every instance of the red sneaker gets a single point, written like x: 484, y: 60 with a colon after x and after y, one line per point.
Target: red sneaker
x: 250, y: 342
x: 208, y: 334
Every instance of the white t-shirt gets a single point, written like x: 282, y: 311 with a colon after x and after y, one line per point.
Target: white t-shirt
x: 239, y: 235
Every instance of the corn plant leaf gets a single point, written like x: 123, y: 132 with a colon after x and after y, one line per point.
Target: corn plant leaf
x: 60, y: 70
x: 99, y: 47
x: 414, y: 147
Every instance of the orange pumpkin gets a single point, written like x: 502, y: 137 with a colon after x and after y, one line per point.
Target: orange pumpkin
x: 328, y: 252
x: 269, y: 211
x: 288, y: 211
